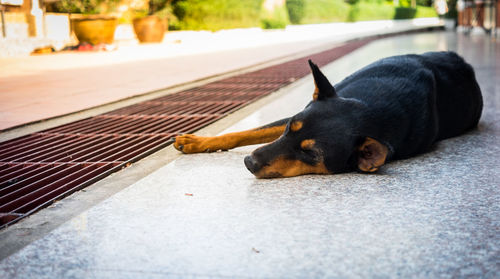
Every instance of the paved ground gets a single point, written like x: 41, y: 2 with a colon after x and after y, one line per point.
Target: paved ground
x: 39, y: 87
x: 436, y: 215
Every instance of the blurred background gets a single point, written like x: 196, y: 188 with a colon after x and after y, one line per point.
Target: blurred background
x: 52, y: 25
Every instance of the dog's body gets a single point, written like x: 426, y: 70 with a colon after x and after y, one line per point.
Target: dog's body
x: 394, y: 108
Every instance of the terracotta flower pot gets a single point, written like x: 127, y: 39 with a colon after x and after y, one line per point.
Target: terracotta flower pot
x: 150, y: 29
x: 94, y: 29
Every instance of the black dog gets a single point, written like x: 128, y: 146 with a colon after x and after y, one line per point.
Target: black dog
x: 394, y: 108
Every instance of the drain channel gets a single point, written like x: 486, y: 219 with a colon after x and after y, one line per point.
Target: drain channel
x: 40, y: 168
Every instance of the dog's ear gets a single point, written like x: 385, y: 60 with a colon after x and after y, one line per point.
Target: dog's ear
x: 323, y: 88
x: 371, y: 155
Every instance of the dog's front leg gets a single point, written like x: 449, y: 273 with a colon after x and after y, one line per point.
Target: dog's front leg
x: 196, y: 144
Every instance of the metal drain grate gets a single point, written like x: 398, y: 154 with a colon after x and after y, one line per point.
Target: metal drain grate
x: 40, y: 168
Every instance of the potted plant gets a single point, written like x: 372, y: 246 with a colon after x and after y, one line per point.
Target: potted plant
x: 148, y: 26
x: 91, y: 20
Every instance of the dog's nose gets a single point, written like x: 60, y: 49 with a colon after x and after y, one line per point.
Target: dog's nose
x: 251, y: 164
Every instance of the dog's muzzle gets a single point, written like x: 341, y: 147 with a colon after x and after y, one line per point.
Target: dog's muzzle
x: 251, y: 164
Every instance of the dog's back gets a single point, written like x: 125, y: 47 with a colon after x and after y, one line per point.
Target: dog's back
x: 421, y: 98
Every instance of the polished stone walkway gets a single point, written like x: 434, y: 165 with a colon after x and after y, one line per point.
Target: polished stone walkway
x: 436, y: 215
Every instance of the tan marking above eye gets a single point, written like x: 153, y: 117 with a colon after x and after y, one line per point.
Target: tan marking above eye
x: 307, y: 144
x: 295, y: 126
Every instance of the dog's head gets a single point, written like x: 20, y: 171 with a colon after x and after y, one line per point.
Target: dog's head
x: 324, y: 138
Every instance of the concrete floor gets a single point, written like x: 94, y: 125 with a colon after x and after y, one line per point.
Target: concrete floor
x: 432, y: 216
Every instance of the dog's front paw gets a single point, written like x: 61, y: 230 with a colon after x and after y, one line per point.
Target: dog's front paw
x: 191, y: 144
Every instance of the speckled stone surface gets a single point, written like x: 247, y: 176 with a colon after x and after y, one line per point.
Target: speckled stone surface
x: 433, y: 216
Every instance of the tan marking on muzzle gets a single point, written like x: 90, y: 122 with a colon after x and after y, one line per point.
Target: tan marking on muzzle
x: 281, y: 167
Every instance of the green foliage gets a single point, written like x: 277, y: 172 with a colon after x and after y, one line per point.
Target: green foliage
x: 296, y: 10
x: 352, y: 2
x: 276, y: 19
x: 364, y: 11
x: 321, y: 11
x: 404, y: 3
x: 225, y: 14
x: 404, y: 13
x: 167, y: 13
x: 425, y: 12
x: 155, y: 6
x: 160, y: 8
x: 452, y: 9
x: 216, y: 14
x: 425, y: 3
x: 86, y: 6
x: 272, y: 23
